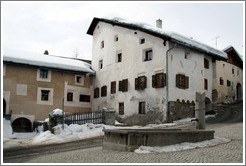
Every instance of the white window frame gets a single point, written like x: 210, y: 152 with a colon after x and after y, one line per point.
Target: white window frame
x: 82, y: 81
x: 48, y: 79
x: 50, y: 98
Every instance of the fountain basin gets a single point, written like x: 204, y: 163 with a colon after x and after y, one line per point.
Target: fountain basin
x: 131, y: 139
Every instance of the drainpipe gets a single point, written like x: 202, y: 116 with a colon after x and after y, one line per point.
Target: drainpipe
x: 167, y: 111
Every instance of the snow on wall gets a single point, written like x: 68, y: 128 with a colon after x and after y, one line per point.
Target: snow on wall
x: 47, y: 61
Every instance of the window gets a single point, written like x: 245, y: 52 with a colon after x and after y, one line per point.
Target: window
x: 84, y: 98
x: 148, y: 55
x: 221, y: 81
x: 186, y: 54
x: 232, y: 71
x: 223, y: 65
x: 69, y: 96
x: 182, y: 81
x: 116, y: 38
x: 100, y: 64
x: 123, y: 85
x: 113, y: 87
x: 96, y: 92
x: 104, y: 91
x: 142, y: 41
x: 121, y: 108
x: 119, y: 57
x: 228, y: 83
x: 205, y: 84
x: 140, y: 83
x: 45, y: 95
x: 141, y: 108
x: 159, y: 80
x: 206, y: 63
x: 102, y: 44
x: 237, y: 72
x: 43, y: 73
x: 79, y: 80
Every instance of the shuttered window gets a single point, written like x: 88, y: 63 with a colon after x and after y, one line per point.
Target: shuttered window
x: 182, y: 81
x: 96, y: 92
x: 159, y: 80
x: 113, y: 87
x: 104, y: 91
x: 141, y: 83
x: 123, y: 85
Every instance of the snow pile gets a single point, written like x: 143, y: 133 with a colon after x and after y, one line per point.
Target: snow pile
x: 7, y: 129
x: 57, y: 111
x: 181, y: 146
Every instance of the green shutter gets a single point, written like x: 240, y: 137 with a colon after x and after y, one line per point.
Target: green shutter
x: 153, y: 81
x: 186, y: 82
x: 136, y: 84
x: 164, y: 79
x: 120, y: 85
x: 177, y: 80
x: 145, y: 82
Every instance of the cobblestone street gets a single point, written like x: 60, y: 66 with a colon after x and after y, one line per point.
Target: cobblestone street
x: 231, y: 152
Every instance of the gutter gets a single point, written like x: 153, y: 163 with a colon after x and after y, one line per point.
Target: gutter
x: 167, y: 89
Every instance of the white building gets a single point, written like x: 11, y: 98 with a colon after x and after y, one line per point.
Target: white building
x: 140, y: 67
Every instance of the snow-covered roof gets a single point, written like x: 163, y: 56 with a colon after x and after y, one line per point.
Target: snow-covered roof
x: 158, y: 32
x: 47, y: 61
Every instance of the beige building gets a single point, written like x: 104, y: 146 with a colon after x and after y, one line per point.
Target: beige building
x: 228, y: 78
x: 34, y: 85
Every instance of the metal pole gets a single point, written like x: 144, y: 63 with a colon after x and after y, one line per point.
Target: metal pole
x: 63, y: 113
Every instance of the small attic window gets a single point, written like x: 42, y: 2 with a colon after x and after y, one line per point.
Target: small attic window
x: 135, y: 33
x: 98, y: 27
x: 102, y: 44
x: 116, y: 38
x: 142, y: 41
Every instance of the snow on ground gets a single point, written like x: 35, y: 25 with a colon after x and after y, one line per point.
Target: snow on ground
x: 181, y: 146
x: 72, y: 132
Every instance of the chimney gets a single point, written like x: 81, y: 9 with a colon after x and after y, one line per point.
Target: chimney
x: 46, y: 52
x: 159, y: 23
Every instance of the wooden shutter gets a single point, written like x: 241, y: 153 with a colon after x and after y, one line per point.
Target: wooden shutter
x: 136, y: 84
x: 154, y: 81
x: 164, y: 79
x: 186, y: 82
x: 125, y: 85
x: 177, y: 80
x: 120, y: 85
x: 145, y: 82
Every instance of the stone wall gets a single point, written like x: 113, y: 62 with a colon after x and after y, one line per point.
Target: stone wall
x: 180, y: 110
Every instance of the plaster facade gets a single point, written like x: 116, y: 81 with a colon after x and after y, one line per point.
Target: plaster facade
x: 130, y: 44
x: 22, y: 92
x: 227, y: 82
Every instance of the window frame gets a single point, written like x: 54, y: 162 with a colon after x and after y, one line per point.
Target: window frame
x: 182, y: 81
x: 81, y: 78
x: 44, y: 73
x: 104, y: 91
x: 146, y: 56
x: 140, y: 85
x: 141, y: 40
x: 45, y: 99
x: 100, y: 64
x: 69, y: 96
x: 121, y: 108
x: 84, y: 98
x: 142, y: 107
x: 113, y: 87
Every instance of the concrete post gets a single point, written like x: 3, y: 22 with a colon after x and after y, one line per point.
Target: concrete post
x: 200, y: 111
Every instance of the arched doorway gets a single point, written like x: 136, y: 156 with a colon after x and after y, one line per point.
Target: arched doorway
x: 22, y: 125
x: 4, y: 108
x: 239, y: 91
x: 208, y: 105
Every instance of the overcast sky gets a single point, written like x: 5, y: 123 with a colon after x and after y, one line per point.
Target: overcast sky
x: 60, y: 27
